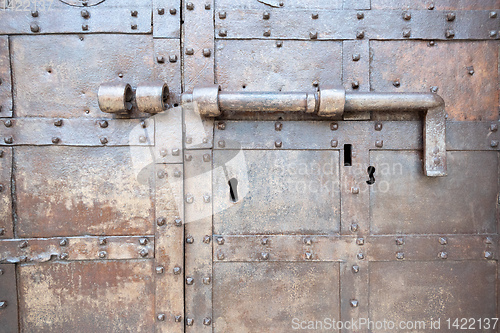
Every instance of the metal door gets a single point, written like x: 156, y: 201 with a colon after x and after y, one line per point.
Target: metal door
x: 217, y: 216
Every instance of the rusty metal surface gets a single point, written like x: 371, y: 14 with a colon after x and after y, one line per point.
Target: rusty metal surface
x: 403, y: 201
x: 110, y: 16
x: 169, y: 249
x: 6, y: 224
x: 8, y: 298
x: 417, y: 66
x: 166, y: 18
x: 104, y: 192
x: 76, y: 248
x: 266, y: 297
x: 51, y: 84
x: 437, y: 4
x: 271, y: 193
x: 421, y: 291
x: 85, y: 297
x: 5, y: 78
x: 167, y: 67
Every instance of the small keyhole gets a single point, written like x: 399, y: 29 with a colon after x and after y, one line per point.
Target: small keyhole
x: 233, y: 189
x: 347, y: 155
x: 371, y: 171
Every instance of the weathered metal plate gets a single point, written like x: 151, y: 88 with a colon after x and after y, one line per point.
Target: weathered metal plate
x: 475, y: 135
x: 5, y: 78
x: 356, y: 71
x: 86, y: 297
x: 271, y: 297
x: 78, y: 132
x: 76, y: 248
x: 283, y: 4
x: 418, y: 67
x: 271, y: 189
x: 8, y: 294
x: 63, y: 81
x: 105, y: 193
x: 168, y: 136
x: 6, y: 225
x: 411, y: 292
x: 167, y: 67
x: 113, y: 16
x: 166, y: 18
x: 262, y: 65
x: 403, y: 200
x: 437, y: 4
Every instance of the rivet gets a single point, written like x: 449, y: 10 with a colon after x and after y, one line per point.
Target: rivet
x: 143, y: 253
x: 494, y: 143
x: 355, y: 269
x: 206, y: 239
x: 206, y: 280
x: 493, y: 15
x: 278, y: 144
x: 494, y: 127
x: 176, y: 152
x: 8, y: 123
x: 360, y: 241
x: 85, y: 13
x: 264, y: 241
x: 308, y: 255
x: 2, y: 232
x: 360, y: 256
x: 133, y: 13
x: 177, y: 270
x: 104, y: 140
x: 161, y: 11
x: 23, y: 244
x: 493, y: 33
x: 188, y: 157
x: 443, y: 255
x: 354, y: 227
x: 396, y: 83
x: 177, y: 221
x: 189, y: 239
x: 102, y: 254
x: 264, y: 255
x: 161, y: 221
x: 334, y: 143
x: 308, y: 241
x: 400, y: 241
x: 190, y: 6
x: 207, y: 6
x: 314, y: 16
x: 133, y: 26
x: 488, y: 240
x: 360, y: 34
x: 85, y: 27
x: 207, y: 321
x: 360, y: 15
x: 266, y: 15
x: 406, y: 16
x: 281, y: 3
x: 355, y: 190
x: 3, y: 304
x: 379, y: 143
x: 378, y: 126
x: 431, y: 7
x: 400, y: 255
x: 434, y: 89
x: 206, y: 198
x: 58, y: 122
x: 221, y: 143
x: 1, y: 153
x: 443, y: 240
x: 172, y: 58
x: 63, y: 242
x: 143, y: 241
x: 334, y: 126
x: 103, y: 241
x: 34, y: 13
x: 159, y: 269
x: 178, y: 318
x: 189, y: 281
x: 223, y: 32
x: 161, y: 174
x: 278, y: 126
x: 431, y: 43
x: 470, y: 70
x: 267, y: 33
x: 450, y: 17
x: 450, y: 33
x: 355, y: 84
x: 313, y: 35
x: 279, y: 43
x: 142, y: 139
x: 407, y: 33
x: 173, y: 11
x: 1, y: 271
x: 220, y: 256
x: 206, y: 157
x: 356, y: 57
x: 207, y: 52
x: 220, y: 240
x: 160, y: 317
x: 63, y: 256
x: 8, y: 139
x: 34, y: 27
x: 354, y: 303
x: 488, y: 255
x: 189, y: 321
x: 55, y: 140
x: 222, y: 15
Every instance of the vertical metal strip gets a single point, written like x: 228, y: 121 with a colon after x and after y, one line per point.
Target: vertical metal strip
x: 6, y: 220
x: 5, y: 79
x: 8, y: 298
x: 356, y: 71
x: 355, y: 221
x: 169, y: 249
x: 198, y: 248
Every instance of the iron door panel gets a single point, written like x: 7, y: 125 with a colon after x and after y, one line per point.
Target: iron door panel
x: 403, y: 200
x: 70, y: 191
x: 8, y: 298
x: 271, y: 198
x: 424, y: 291
x: 437, y: 4
x: 268, y: 296
x: 87, y: 297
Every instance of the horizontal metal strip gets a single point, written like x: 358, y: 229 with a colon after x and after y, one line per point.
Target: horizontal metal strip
x: 351, y: 24
x: 233, y: 248
x: 77, y: 132
x: 76, y: 248
x: 389, y: 135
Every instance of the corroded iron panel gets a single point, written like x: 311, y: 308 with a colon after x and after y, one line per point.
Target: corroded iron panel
x: 63, y: 81
x: 86, y: 297
x: 403, y: 200
x: 270, y: 196
x: 264, y: 65
x: 425, y: 291
x: 465, y: 74
x: 8, y: 298
x: 267, y: 297
x: 6, y: 224
x: 436, y: 4
x: 5, y: 78
x: 69, y: 191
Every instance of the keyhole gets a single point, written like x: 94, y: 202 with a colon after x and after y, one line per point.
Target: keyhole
x: 371, y: 171
x: 347, y: 155
x: 233, y: 189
